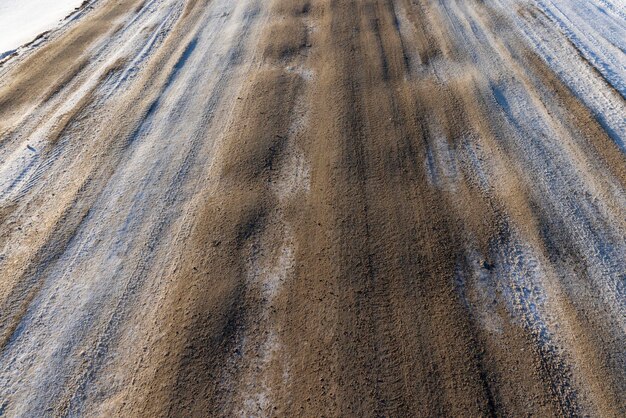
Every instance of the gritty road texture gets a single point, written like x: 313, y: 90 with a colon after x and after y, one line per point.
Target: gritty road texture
x: 315, y: 208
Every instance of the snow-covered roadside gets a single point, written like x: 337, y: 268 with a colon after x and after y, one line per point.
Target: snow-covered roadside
x: 22, y: 20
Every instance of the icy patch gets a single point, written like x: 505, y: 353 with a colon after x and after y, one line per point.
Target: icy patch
x: 268, y: 272
x: 478, y: 290
x: 577, y: 40
x: 597, y: 32
x: 441, y: 165
x: 513, y: 275
x: 22, y: 20
x: 257, y: 400
x: 474, y: 163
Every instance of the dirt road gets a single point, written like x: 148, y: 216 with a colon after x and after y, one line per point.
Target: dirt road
x: 316, y: 208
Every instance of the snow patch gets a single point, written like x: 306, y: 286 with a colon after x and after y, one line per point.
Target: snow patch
x: 21, y: 21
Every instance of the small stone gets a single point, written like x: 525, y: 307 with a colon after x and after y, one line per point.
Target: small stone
x: 486, y: 265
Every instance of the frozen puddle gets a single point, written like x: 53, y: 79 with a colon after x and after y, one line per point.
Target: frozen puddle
x: 22, y: 20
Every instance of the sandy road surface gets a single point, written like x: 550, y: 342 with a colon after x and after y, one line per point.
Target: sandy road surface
x: 316, y: 208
